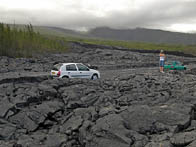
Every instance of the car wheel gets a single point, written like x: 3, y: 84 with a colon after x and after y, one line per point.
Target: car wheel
x: 94, y: 77
x: 65, y: 77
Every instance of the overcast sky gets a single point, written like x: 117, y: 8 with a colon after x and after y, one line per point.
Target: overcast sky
x: 173, y: 15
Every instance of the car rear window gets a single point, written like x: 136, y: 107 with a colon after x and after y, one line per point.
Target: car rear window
x: 57, y: 67
x: 71, y: 67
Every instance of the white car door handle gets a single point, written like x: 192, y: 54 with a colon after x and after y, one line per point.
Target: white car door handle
x: 80, y: 72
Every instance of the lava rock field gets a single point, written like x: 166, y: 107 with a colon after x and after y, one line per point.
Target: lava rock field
x: 132, y: 105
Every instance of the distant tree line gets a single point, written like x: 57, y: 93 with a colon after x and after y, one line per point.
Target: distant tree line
x: 17, y: 42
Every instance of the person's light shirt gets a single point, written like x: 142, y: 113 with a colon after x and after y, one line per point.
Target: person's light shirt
x: 162, y: 57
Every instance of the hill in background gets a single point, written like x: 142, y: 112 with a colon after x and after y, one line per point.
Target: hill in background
x: 27, y: 41
x: 136, y: 35
x: 144, y: 35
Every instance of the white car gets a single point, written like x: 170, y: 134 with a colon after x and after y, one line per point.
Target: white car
x: 74, y: 70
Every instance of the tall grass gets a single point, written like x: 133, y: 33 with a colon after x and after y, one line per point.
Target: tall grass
x: 25, y: 42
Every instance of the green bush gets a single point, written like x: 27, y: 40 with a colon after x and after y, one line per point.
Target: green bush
x: 26, y: 42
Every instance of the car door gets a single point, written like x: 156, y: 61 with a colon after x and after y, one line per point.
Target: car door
x: 70, y: 70
x: 84, y: 71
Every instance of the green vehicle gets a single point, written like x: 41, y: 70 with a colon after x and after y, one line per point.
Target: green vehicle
x: 174, y: 65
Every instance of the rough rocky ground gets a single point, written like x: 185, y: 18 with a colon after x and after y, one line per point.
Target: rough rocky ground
x: 132, y: 105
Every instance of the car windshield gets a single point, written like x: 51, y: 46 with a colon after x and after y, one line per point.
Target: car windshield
x: 57, y: 67
x: 168, y: 63
x: 176, y: 63
x: 82, y: 67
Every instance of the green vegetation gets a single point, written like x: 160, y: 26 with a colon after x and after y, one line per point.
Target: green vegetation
x: 25, y: 42
x: 189, y: 49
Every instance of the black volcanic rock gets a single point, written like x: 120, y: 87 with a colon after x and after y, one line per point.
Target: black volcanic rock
x: 133, y: 104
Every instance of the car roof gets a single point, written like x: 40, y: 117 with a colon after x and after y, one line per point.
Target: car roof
x: 70, y: 63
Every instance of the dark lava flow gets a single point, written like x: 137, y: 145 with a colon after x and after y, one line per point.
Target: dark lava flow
x: 132, y: 105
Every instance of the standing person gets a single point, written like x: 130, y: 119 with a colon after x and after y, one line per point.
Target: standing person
x: 162, y: 61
